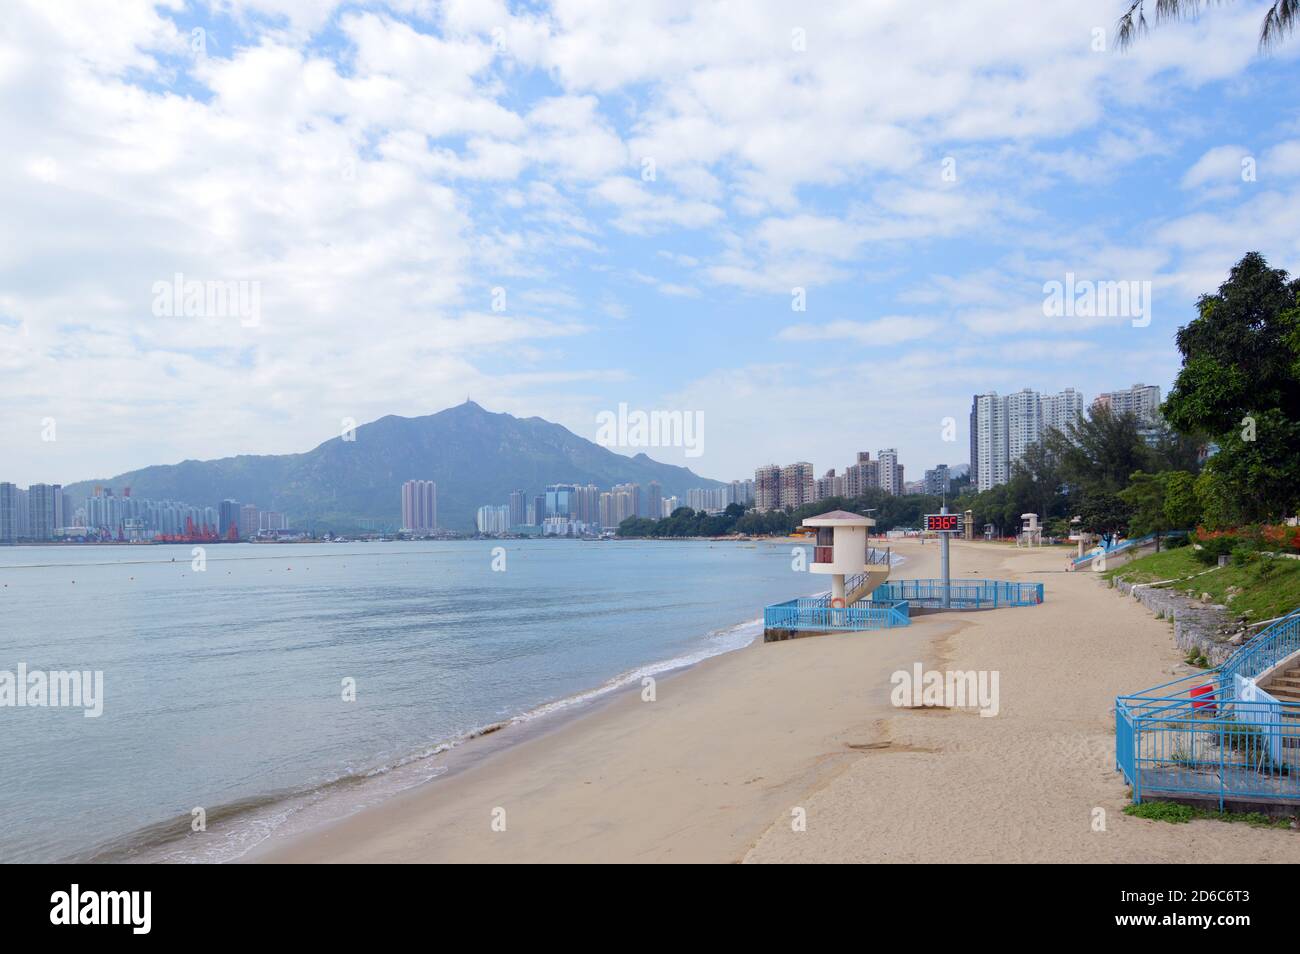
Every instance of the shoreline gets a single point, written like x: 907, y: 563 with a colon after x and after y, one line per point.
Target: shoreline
x: 714, y: 768
x: 579, y: 713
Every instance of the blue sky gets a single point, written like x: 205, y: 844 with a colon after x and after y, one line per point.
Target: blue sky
x: 380, y: 169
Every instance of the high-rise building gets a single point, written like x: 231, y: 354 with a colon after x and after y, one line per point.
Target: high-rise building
x: 937, y: 482
x: 1003, y: 428
x: 1062, y: 410
x: 709, y: 499
x: 8, y: 513
x: 493, y: 519
x: 560, y: 500
x: 742, y: 492
x: 1024, y: 417
x: 767, y: 487
x: 45, y: 510
x: 518, y: 508
x: 669, y: 505
x: 891, y: 471
x: 631, y: 505
x: 419, y: 506
x: 228, y: 517
x: 831, y: 485
x: 798, y: 485
x: 654, y: 504
x: 1142, y: 401
x: 247, y: 521
x: 539, y: 510
x: 861, y: 475
x: 587, y: 504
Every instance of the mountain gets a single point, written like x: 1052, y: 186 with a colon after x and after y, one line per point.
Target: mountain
x: 475, y: 456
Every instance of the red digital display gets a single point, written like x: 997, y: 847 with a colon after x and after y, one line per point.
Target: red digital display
x: 943, y: 522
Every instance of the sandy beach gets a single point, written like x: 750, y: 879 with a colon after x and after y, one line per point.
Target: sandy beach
x: 731, y: 750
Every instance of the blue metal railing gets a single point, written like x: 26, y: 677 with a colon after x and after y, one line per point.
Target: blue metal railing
x: 1265, y: 650
x: 962, y: 594
x: 1126, y: 545
x: 1215, y: 734
x: 814, y: 614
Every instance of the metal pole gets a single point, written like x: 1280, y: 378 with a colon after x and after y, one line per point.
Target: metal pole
x: 943, y: 564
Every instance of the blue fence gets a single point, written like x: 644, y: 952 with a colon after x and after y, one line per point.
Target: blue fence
x: 1215, y: 735
x: 1124, y: 545
x: 962, y: 594
x: 817, y: 614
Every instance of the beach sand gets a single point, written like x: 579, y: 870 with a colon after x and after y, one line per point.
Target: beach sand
x: 716, y: 768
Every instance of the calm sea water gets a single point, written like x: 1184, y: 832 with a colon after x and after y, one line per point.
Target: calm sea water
x: 223, y: 689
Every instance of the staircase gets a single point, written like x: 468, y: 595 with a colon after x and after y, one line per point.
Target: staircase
x: 1284, y: 685
x: 876, y: 571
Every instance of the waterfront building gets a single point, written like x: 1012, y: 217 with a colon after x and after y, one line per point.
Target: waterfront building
x: 767, y: 487
x: 8, y: 513
x: 798, y: 485
x: 518, y: 508
x: 228, y: 518
x: 493, y: 520
x: 419, y: 506
x: 247, y: 521
x: 45, y: 511
x: 654, y: 505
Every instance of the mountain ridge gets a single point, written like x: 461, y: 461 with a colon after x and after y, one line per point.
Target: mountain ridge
x: 475, y: 456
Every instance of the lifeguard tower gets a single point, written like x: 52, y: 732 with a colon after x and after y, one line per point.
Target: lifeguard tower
x: 842, y: 550
x: 1031, y: 534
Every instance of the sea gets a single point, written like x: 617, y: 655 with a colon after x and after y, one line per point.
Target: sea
x: 269, y: 688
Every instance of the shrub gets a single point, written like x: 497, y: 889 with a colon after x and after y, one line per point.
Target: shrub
x: 1241, y: 555
x: 1214, y: 547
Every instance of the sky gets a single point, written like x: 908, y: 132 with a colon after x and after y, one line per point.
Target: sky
x: 818, y: 228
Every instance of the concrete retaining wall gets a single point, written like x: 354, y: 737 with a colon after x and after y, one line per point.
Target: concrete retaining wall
x: 1205, y: 627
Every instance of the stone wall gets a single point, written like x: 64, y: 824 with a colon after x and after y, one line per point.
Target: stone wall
x: 1200, y: 625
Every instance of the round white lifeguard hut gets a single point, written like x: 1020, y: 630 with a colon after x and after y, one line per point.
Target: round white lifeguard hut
x: 842, y: 551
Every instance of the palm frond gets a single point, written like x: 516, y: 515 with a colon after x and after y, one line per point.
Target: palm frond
x: 1279, y: 22
x: 1127, y: 29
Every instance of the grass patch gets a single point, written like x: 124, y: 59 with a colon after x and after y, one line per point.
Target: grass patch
x: 1269, y: 586
x: 1177, y: 814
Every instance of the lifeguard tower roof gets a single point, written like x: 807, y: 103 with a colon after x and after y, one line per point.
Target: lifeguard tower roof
x: 839, y: 518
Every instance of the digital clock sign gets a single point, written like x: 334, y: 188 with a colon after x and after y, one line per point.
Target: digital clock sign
x: 942, y: 523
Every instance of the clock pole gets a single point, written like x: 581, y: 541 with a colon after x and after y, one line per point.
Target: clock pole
x: 943, y: 564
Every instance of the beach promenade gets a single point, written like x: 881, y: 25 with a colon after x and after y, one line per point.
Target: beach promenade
x: 735, y: 749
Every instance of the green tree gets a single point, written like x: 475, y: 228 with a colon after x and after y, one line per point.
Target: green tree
x: 1145, y: 498
x: 1239, y: 387
x: 1099, y: 451
x: 1182, y: 509
x: 1104, y: 514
